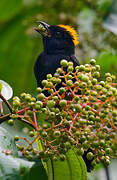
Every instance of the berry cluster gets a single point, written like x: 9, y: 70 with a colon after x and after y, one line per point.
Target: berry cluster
x: 81, y: 114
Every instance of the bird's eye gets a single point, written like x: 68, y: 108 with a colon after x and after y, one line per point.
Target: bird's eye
x: 58, y: 34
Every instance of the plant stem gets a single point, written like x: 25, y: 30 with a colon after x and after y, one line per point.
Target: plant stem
x: 6, y: 102
x: 52, y: 165
x: 6, y: 117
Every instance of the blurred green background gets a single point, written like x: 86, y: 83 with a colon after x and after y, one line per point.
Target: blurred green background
x: 95, y: 20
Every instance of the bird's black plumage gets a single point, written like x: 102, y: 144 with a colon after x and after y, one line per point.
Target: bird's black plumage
x: 58, y: 44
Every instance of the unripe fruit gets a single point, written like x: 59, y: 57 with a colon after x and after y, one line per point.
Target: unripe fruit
x: 64, y: 63
x: 84, y: 78
x: 49, y: 76
x: 70, y: 63
x: 94, y: 81
x: 44, y: 134
x: 81, y: 68
x: 20, y: 147
x: 44, y: 83
x: 30, y: 157
x: 68, y: 145
x: 70, y: 69
x: 59, y: 70
x: 40, y: 96
x: 16, y: 138
x: 62, y: 157
x: 78, y: 107
x: 50, y: 103
x: 80, y: 151
x: 62, y: 90
x: 93, y: 62
x: 63, y: 103
x: 90, y: 155
x: 57, y: 133
x: 31, y: 133
x: 107, y: 75
x: 11, y: 122
x: 69, y: 83
x: 96, y: 74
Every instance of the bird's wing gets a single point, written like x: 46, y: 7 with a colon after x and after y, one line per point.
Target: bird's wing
x: 74, y: 60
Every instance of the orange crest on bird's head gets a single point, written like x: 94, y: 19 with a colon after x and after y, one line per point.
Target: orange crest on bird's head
x: 72, y: 32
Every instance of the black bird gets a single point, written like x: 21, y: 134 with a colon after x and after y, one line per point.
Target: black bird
x: 59, y: 43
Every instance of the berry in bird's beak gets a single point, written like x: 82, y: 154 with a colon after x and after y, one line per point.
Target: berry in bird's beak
x: 43, y: 29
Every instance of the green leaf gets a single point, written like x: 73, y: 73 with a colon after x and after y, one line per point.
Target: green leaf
x: 20, y: 76
x: 0, y: 87
x: 9, y: 8
x: 73, y: 168
x: 14, y: 168
x: 110, y: 20
x: 7, y: 142
x: 108, y: 63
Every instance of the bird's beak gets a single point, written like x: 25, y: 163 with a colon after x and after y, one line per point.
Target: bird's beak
x: 43, y: 29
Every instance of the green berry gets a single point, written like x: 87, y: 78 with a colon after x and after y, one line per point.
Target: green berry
x: 40, y: 96
x: 51, y: 103
x: 78, y: 107
x: 44, y: 134
x: 93, y: 62
x: 68, y: 145
x: 102, y: 83
x: 39, y: 103
x: 69, y: 77
x: 57, y: 133
x: 63, y: 103
x: 70, y: 69
x: 39, y: 90
x: 62, y: 157
x: 20, y: 147
x: 97, y: 67
x: 44, y: 83
x: 29, y: 148
x: 64, y: 63
x: 56, y: 75
x: 16, y: 138
x: 62, y: 90
x: 84, y: 78
x: 107, y: 75
x: 96, y: 74
x: 55, y: 98
x: 58, y: 80
x: 109, y: 79
x: 23, y: 95
x: 69, y: 83
x: 59, y: 70
x: 50, y: 91
x: 31, y: 133
x: 70, y: 63
x: 90, y: 155
x: 49, y: 85
x: 28, y: 97
x: 80, y: 151
x: 81, y: 68
x: 11, y: 122
x: 30, y: 157
x: 83, y: 85
x: 94, y: 81
x: 55, y: 158
x: 49, y: 76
